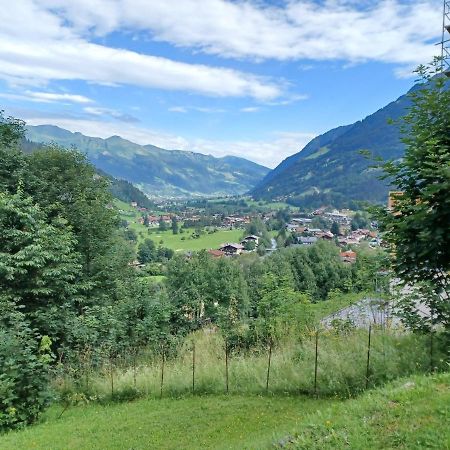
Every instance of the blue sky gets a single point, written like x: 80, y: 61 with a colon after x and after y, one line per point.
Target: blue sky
x: 249, y: 78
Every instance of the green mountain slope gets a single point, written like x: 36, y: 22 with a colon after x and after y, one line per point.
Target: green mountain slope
x: 120, y: 189
x: 330, y: 168
x: 159, y: 172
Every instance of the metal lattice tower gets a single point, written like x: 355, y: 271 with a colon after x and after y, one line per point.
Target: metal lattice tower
x: 445, y: 42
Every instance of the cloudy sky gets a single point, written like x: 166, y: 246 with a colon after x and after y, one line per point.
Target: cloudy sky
x: 250, y: 78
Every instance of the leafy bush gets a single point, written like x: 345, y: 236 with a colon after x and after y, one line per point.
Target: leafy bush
x: 24, y: 373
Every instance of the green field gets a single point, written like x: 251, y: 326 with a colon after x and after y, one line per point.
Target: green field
x: 178, y: 242
x: 206, y: 241
x: 410, y: 413
x: 215, y: 422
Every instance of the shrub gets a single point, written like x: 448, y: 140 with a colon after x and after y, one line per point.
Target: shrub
x: 24, y: 373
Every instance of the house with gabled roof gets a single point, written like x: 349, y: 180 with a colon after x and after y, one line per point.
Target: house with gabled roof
x: 231, y: 248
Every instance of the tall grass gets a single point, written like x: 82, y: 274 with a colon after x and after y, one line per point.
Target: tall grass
x: 341, y: 368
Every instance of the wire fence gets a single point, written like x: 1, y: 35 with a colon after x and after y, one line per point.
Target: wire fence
x: 320, y: 363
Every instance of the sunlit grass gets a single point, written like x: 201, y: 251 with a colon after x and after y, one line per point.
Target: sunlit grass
x: 341, y: 367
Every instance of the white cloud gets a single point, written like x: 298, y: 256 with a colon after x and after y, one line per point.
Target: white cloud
x: 392, y: 31
x: 47, y: 97
x: 268, y: 153
x: 52, y: 97
x: 288, y: 100
x: 202, y: 109
x: 38, y: 46
x: 250, y: 109
x: 178, y: 109
x: 108, y: 112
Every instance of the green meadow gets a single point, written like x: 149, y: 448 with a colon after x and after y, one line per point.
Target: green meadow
x: 408, y: 414
x: 205, y: 241
x: 177, y: 242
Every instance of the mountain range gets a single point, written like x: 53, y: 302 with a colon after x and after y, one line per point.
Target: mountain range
x: 331, y: 169
x: 156, y: 171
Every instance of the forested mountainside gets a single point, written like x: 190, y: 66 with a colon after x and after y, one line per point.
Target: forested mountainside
x: 120, y: 189
x: 156, y: 171
x: 331, y: 169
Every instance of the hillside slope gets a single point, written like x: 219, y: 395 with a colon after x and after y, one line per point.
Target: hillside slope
x: 159, y: 172
x: 407, y: 414
x: 120, y: 189
x: 330, y: 169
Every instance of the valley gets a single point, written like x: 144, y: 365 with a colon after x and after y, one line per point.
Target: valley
x: 225, y: 225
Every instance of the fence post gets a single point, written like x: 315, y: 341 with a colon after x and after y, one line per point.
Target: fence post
x: 135, y: 355
x: 162, y: 370
x: 368, y: 357
x: 193, y: 367
x: 431, y: 343
x: 315, y: 363
x: 268, y: 365
x: 111, y: 368
x: 226, y: 365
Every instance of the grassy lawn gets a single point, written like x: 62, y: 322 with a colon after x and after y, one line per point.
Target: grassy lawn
x: 213, y: 422
x: 410, y: 413
x: 177, y: 242
x: 205, y: 241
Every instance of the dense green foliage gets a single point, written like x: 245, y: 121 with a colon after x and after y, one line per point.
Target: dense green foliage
x: 24, y: 374
x: 73, y: 302
x: 238, y: 294
x: 148, y: 252
x: 63, y: 267
x: 417, y: 226
x: 156, y: 171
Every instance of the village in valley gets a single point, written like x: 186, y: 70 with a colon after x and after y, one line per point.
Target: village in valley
x: 260, y: 230
x: 224, y: 224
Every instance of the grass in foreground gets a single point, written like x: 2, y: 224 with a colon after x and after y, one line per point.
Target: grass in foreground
x: 213, y: 422
x: 409, y: 414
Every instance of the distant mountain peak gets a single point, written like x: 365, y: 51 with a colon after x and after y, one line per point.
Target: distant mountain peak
x: 157, y: 171
x: 330, y: 168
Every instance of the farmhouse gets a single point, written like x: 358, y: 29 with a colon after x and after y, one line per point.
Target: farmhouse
x: 301, y: 220
x: 251, y: 238
x: 348, y: 257
x: 231, y: 249
x: 307, y: 240
x: 327, y: 235
x: 216, y: 253
x: 338, y: 217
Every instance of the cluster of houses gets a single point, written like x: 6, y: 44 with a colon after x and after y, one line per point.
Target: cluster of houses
x: 302, y: 229
x: 308, y: 235
x: 154, y: 221
x: 193, y: 215
x: 355, y: 237
x: 236, y: 221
